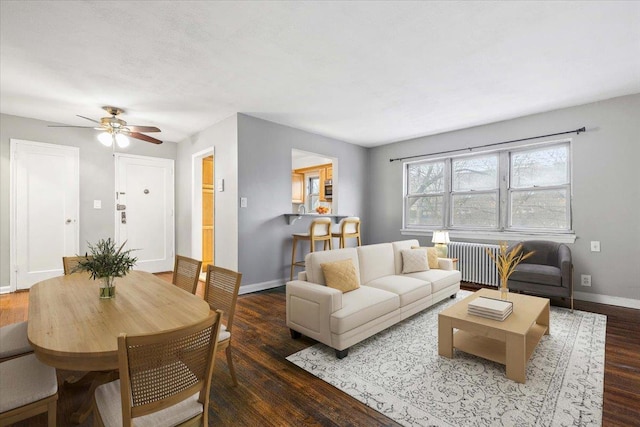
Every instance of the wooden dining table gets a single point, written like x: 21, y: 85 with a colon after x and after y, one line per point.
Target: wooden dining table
x: 71, y: 328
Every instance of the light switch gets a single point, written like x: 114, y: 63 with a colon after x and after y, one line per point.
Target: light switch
x: 97, y: 204
x: 221, y: 184
x: 595, y: 246
x: 243, y: 202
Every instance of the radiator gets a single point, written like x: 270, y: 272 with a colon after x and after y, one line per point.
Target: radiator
x: 474, y: 263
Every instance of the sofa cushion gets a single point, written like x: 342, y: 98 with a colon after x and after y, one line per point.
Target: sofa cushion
x: 409, y: 289
x: 535, y: 273
x: 439, y: 279
x: 341, y: 275
x: 414, y: 260
x: 375, y: 261
x: 362, y: 306
x: 314, y: 259
x: 432, y: 255
x: 397, y: 252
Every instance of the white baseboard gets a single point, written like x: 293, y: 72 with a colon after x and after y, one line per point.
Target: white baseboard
x: 606, y: 299
x: 5, y: 289
x: 255, y: 287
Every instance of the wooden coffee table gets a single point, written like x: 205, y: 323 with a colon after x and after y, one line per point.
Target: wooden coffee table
x: 510, y: 342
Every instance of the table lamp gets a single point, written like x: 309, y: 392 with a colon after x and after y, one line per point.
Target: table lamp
x: 441, y: 238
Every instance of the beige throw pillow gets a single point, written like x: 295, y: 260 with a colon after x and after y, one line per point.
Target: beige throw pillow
x: 432, y: 256
x: 414, y: 260
x: 341, y: 275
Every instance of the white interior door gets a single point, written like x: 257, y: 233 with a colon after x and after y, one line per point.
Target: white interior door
x: 44, y: 194
x: 144, y: 210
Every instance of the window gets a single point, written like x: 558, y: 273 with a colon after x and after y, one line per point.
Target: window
x: 539, y: 193
x: 474, y: 193
x: 313, y: 198
x: 525, y: 189
x: 425, y: 198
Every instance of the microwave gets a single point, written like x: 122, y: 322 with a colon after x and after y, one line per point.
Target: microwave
x: 328, y: 189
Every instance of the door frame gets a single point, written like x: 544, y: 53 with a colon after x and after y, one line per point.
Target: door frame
x: 196, y: 200
x: 13, y: 192
x: 116, y: 177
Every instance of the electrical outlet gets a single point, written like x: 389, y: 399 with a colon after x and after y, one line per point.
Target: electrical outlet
x: 585, y: 280
x: 595, y: 246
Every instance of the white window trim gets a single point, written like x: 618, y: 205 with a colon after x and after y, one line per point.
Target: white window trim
x: 495, y: 235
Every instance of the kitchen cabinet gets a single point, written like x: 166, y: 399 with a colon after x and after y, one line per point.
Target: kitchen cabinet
x: 329, y: 172
x: 323, y: 178
x: 297, y: 187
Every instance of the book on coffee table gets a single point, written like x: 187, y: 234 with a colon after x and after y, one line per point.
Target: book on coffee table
x: 490, y: 308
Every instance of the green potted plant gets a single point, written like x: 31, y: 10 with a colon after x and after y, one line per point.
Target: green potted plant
x: 105, y: 262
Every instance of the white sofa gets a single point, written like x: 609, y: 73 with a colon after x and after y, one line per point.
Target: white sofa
x: 385, y: 296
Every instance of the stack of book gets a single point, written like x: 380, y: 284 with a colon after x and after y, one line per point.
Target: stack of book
x: 490, y: 308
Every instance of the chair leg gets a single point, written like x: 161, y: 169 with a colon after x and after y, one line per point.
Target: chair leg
x: 572, y: 301
x: 232, y: 370
x: 52, y: 413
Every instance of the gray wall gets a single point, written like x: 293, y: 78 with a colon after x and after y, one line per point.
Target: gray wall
x: 264, y: 178
x: 222, y: 137
x: 97, y: 179
x: 606, y: 186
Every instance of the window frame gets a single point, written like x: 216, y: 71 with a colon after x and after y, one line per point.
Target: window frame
x: 504, y: 196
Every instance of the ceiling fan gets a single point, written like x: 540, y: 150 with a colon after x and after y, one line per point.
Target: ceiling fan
x: 117, y: 131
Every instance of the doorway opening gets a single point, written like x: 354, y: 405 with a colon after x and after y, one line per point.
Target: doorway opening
x: 207, y: 212
x: 202, y: 209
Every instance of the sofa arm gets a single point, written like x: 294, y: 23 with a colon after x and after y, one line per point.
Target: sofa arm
x: 446, y: 263
x: 309, y: 308
x: 565, y: 264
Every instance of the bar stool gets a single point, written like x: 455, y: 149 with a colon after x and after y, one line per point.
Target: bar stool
x: 319, y: 231
x: 348, y: 228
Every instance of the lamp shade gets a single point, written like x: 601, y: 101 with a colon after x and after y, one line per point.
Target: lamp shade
x: 440, y: 237
x: 122, y: 140
x: 105, y: 139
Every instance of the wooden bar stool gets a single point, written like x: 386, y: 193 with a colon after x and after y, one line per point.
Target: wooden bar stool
x: 348, y: 228
x: 319, y: 231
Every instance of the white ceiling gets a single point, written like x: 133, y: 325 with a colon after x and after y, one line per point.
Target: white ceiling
x: 364, y: 72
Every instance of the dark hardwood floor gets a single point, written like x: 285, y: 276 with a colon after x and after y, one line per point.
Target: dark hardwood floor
x: 274, y: 392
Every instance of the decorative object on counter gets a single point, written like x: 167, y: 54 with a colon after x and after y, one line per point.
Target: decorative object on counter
x: 106, y: 263
x: 322, y: 210
x: 506, y: 261
x: 441, y: 238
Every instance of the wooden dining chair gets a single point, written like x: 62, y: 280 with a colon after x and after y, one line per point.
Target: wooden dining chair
x: 28, y: 388
x: 165, y: 378
x: 69, y: 263
x: 221, y: 292
x: 186, y: 272
x: 14, y: 341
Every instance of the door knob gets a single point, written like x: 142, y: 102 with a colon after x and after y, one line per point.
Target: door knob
x: 68, y: 221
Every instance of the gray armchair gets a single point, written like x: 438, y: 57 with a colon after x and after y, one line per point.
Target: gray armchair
x: 548, y: 272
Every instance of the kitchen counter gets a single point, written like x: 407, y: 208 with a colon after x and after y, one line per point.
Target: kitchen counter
x: 291, y: 218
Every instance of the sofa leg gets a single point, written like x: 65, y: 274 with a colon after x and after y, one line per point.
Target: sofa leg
x: 341, y: 354
x: 295, y: 334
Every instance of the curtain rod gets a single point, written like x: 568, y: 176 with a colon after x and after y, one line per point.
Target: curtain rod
x: 576, y: 131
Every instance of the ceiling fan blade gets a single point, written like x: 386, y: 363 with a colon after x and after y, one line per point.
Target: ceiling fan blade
x: 87, y: 118
x: 133, y: 128
x: 144, y: 137
x: 70, y: 126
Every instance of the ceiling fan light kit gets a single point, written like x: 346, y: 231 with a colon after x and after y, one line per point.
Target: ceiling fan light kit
x: 110, y: 138
x: 116, y: 131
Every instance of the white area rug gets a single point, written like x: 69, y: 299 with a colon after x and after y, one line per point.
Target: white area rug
x: 399, y: 373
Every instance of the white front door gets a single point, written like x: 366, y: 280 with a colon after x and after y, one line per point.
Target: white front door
x: 144, y: 210
x: 44, y: 215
